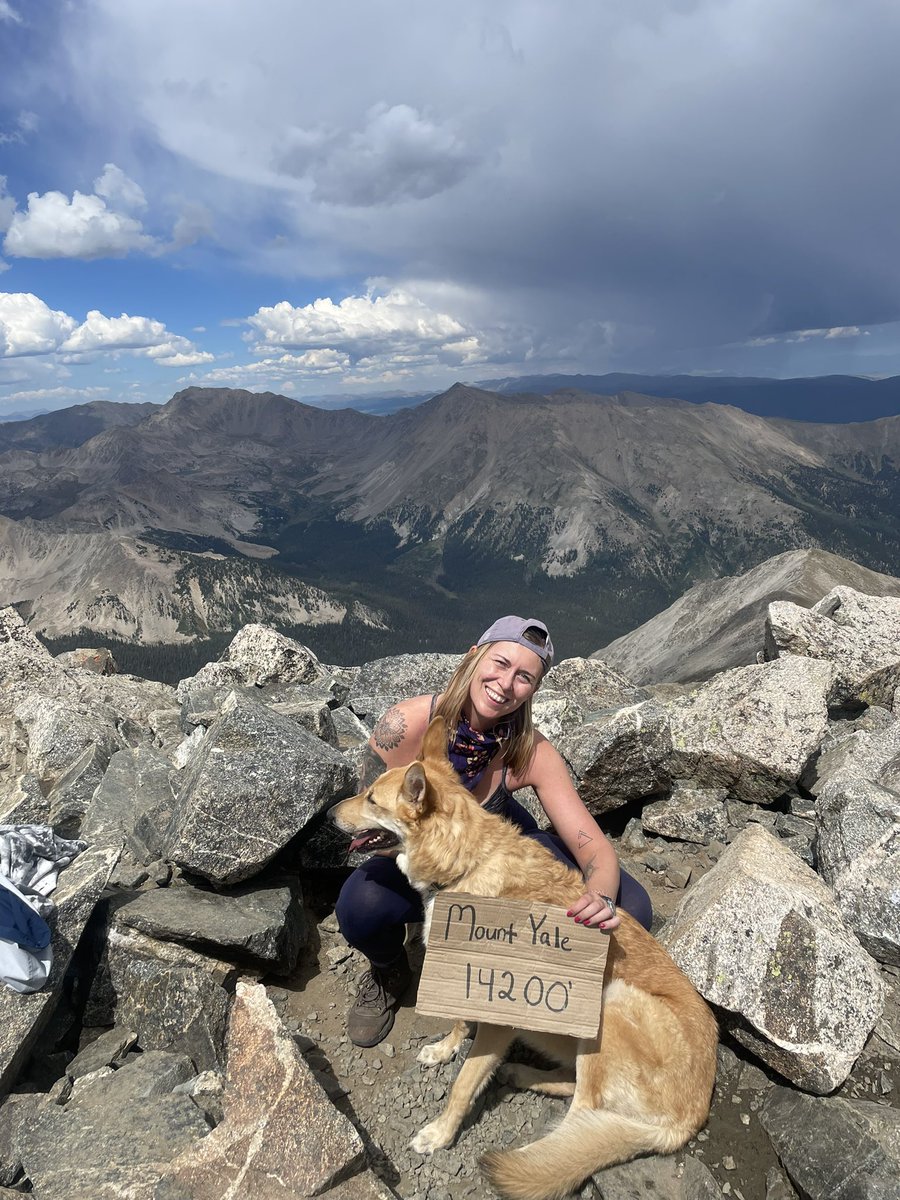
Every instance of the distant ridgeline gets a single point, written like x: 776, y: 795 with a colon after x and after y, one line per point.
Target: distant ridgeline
x: 366, y: 535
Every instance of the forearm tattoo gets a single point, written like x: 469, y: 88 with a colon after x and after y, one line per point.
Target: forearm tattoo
x: 588, y: 869
x: 583, y: 839
x: 390, y: 730
x: 373, y: 765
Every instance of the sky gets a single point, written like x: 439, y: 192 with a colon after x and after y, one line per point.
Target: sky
x: 387, y: 196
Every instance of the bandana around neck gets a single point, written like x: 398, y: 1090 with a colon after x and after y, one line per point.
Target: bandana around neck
x: 471, y: 751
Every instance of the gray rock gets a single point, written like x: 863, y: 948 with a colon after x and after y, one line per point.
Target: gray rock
x: 263, y: 656
x: 593, y: 684
x: 153, y: 1073
x: 384, y: 681
x: 753, y: 729
x: 254, y: 784
x: 264, y: 923
x: 22, y: 656
x: 121, y: 946
x: 761, y: 937
x: 100, y: 662
x: 690, y: 814
x: 676, y: 1177
x: 860, y: 752
x: 778, y: 1186
x: 281, y: 1137
x: 206, y: 1090
x: 349, y: 729
x: 165, y: 728
x: 174, y: 1008
x: 835, y: 1149
x: 134, y: 803
x: 858, y: 848
x: 73, y: 791
x: 60, y: 729
x: 555, y: 714
x: 108, y: 1050
x: 620, y: 756
x: 859, y: 634
x: 313, y: 715
x: 184, y: 751
x: 115, y: 1138
x: 26, y: 803
x: 22, y: 1017
x: 132, y: 698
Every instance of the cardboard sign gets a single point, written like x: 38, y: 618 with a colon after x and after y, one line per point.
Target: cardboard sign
x: 512, y: 962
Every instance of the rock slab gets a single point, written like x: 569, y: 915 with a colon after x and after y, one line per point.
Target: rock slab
x: 761, y: 937
x: 254, y: 783
x: 281, y: 1137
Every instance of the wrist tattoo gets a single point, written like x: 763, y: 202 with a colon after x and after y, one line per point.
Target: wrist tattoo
x: 390, y: 730
x: 373, y: 765
x: 588, y: 869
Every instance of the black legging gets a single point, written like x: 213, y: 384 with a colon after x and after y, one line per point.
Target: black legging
x: 377, y: 901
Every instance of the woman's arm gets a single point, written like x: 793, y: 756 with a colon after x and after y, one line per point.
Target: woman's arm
x: 584, y: 838
x: 396, y: 738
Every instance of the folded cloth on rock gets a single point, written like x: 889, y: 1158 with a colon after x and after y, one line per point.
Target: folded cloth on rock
x: 31, y: 857
x: 24, y: 970
x: 18, y: 920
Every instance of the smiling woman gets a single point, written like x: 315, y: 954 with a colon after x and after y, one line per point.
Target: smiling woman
x: 495, y: 749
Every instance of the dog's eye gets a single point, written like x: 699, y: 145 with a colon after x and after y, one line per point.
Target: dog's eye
x: 370, y: 800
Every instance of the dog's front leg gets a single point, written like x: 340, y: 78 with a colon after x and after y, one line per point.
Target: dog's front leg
x: 488, y: 1051
x: 446, y: 1049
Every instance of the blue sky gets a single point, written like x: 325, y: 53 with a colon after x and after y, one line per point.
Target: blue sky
x: 391, y: 196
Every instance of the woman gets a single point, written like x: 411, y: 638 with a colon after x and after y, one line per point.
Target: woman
x: 495, y: 750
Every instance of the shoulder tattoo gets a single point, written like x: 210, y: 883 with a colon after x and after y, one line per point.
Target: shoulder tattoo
x: 372, y: 766
x: 390, y: 730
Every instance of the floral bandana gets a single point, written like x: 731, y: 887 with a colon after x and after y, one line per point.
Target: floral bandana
x: 470, y: 751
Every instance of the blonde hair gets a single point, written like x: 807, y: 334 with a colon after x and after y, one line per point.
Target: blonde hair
x: 519, y: 746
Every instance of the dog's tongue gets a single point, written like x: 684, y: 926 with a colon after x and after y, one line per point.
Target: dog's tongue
x: 361, y: 841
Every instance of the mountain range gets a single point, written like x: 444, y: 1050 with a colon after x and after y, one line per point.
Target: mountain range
x: 824, y: 398
x: 601, y: 510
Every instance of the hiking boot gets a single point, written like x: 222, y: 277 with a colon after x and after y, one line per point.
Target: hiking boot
x: 380, y: 990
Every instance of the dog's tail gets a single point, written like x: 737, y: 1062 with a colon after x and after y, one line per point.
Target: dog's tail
x: 582, y: 1143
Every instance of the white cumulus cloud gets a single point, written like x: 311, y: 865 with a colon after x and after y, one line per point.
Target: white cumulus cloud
x: 99, y: 332
x: 55, y: 227
x: 29, y: 326
x: 357, y: 323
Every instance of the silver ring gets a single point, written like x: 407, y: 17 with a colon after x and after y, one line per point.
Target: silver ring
x: 610, y: 902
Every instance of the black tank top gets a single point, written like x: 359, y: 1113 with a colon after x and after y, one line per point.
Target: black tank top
x: 501, y: 796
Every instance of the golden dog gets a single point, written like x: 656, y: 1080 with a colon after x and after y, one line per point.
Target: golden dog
x: 643, y: 1085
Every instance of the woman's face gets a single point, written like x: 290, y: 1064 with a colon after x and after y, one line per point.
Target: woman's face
x: 504, y: 679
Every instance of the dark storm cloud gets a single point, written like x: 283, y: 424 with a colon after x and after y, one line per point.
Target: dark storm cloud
x: 598, y: 182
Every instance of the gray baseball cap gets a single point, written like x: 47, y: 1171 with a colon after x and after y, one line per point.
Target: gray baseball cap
x: 513, y: 629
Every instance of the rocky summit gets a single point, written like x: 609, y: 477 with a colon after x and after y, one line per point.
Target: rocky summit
x: 190, y: 1041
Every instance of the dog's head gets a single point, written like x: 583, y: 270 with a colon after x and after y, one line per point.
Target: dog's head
x: 391, y: 811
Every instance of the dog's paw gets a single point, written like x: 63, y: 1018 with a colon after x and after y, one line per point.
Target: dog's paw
x: 431, y: 1137
x: 437, y: 1052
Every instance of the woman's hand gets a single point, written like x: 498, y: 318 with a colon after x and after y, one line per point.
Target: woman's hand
x: 596, y: 911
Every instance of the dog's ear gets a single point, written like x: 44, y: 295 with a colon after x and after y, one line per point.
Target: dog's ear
x: 434, y: 744
x: 415, y: 786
